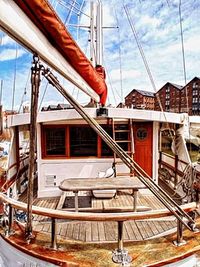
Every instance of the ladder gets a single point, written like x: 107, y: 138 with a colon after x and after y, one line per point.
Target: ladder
x: 165, y: 199
x: 123, y: 136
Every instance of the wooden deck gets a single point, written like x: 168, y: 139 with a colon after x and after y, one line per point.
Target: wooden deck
x: 101, y: 232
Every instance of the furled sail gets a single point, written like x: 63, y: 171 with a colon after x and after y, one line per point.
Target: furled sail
x: 44, y: 17
x: 21, y: 27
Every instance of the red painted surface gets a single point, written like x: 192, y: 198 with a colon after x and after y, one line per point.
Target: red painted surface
x: 143, y: 145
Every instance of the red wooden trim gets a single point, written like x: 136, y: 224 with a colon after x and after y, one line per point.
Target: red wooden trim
x: 43, y: 141
x: 99, y: 144
x: 67, y: 142
x: 173, y: 260
x: 17, y: 146
x: 37, y: 252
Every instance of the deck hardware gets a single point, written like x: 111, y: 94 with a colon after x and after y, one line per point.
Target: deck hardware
x: 179, y: 240
x: 120, y: 255
x: 102, y: 112
x: 53, y: 233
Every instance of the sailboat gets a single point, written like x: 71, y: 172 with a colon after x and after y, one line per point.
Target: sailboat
x: 88, y: 193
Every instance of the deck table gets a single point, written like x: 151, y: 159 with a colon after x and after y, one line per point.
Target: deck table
x: 90, y: 184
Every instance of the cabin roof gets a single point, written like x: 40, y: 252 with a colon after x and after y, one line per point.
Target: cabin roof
x: 57, y: 116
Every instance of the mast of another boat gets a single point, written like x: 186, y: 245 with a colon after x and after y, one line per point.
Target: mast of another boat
x: 96, y: 35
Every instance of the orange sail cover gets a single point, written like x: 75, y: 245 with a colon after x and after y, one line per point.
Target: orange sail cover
x: 44, y: 17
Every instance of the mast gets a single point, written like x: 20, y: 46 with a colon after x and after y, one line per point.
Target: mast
x: 96, y: 34
x: 96, y: 43
x: 92, y: 33
x: 35, y: 82
x: 99, y: 33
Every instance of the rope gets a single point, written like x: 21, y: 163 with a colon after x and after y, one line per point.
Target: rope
x: 110, y: 82
x: 146, y: 66
x: 25, y: 91
x: 42, y: 98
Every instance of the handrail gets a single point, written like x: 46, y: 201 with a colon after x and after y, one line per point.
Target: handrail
x: 181, y: 173
x: 89, y: 216
x: 15, y: 164
x: 14, y: 178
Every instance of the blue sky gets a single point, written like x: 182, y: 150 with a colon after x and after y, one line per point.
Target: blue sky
x: 158, y: 29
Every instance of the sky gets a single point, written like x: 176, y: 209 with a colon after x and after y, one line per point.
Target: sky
x: 157, y: 24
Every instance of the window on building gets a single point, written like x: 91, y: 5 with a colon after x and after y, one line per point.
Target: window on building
x: 195, y: 92
x: 195, y: 107
x: 195, y: 85
x: 195, y: 100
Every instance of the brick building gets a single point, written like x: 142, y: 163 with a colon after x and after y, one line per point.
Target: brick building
x: 140, y: 99
x: 169, y: 96
x: 190, y: 97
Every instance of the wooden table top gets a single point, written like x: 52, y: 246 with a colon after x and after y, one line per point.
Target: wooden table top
x: 82, y: 184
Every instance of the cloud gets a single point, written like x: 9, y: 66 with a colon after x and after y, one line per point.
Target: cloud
x: 158, y: 28
x: 6, y: 40
x: 10, y: 54
x: 126, y: 74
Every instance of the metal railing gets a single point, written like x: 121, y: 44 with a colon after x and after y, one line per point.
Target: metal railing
x: 120, y: 218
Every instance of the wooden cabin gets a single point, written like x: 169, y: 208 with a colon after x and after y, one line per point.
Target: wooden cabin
x: 68, y: 148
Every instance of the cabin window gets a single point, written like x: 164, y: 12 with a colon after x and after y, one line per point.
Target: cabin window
x: 55, y: 141
x: 65, y: 141
x: 141, y: 134
x: 83, y: 142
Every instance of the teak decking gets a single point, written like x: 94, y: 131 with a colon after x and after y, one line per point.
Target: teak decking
x: 106, y: 231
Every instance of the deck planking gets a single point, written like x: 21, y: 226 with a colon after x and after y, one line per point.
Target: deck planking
x: 100, y: 232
